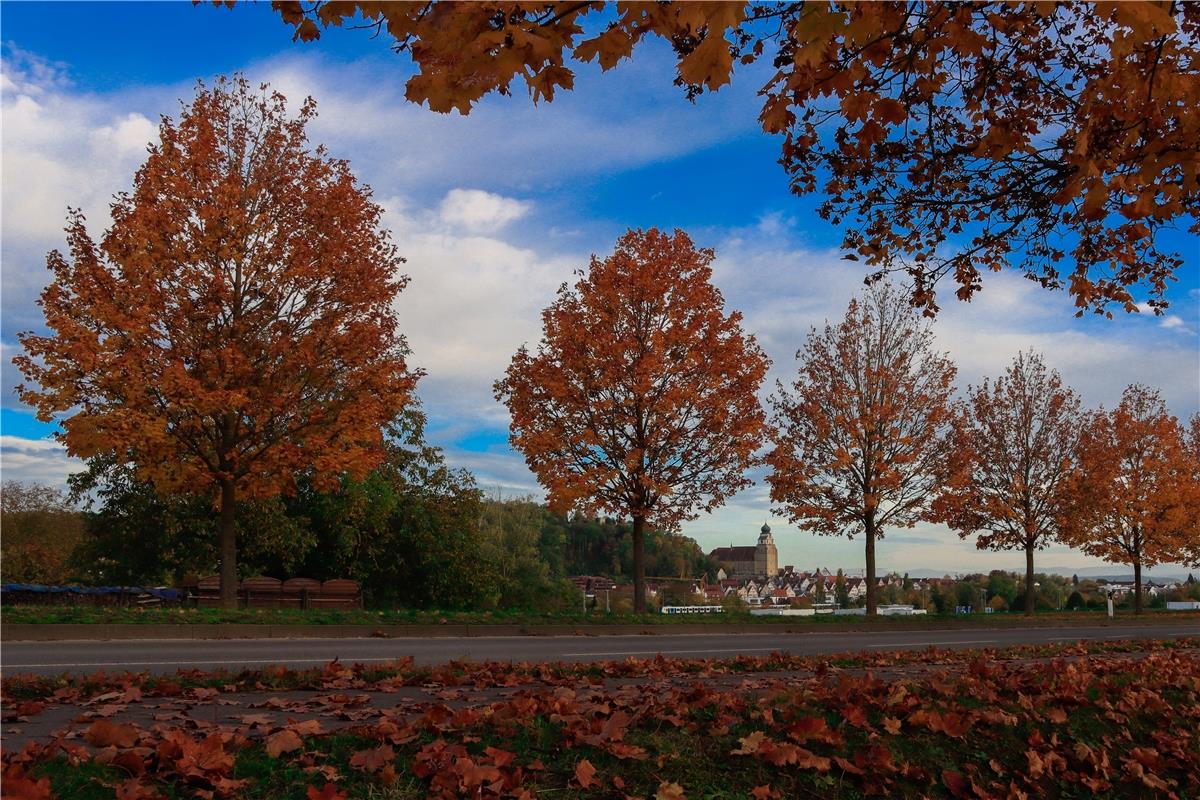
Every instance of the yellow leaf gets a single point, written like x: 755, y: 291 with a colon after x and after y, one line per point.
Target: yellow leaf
x: 710, y: 63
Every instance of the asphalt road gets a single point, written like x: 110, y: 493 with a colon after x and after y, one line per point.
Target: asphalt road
x: 166, y: 656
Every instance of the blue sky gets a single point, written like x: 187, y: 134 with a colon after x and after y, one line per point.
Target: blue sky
x: 496, y: 209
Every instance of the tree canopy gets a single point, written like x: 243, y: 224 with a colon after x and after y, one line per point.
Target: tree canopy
x: 41, y: 529
x: 234, y: 327
x: 950, y: 138
x: 862, y: 436
x: 1011, y: 465
x: 1134, y: 492
x: 640, y: 400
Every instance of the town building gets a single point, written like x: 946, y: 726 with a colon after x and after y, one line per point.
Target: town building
x: 759, y: 561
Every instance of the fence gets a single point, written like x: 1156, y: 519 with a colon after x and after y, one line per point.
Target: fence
x: 261, y: 591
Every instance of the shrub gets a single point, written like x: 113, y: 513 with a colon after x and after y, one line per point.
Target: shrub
x: 734, y: 605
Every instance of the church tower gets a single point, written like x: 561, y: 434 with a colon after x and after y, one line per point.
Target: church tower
x: 766, y: 557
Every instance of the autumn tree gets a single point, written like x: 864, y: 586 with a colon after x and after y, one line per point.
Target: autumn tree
x: 235, y: 323
x: 1012, y: 461
x: 1046, y: 137
x: 640, y: 400
x: 1191, y: 543
x: 862, y: 438
x: 1134, y: 493
x: 42, y: 532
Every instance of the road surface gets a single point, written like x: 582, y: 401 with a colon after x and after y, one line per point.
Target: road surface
x: 166, y: 656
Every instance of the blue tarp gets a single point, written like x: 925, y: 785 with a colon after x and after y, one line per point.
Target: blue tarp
x: 37, y: 588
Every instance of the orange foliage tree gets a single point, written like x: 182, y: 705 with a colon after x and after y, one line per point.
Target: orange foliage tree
x: 862, y: 439
x: 1192, y: 543
x: 235, y: 324
x: 1012, y: 461
x: 1134, y: 490
x: 641, y: 397
x: 1040, y: 135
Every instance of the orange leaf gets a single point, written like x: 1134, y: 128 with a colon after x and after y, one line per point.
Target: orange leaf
x: 132, y: 789
x: 103, y: 733
x: 956, y: 783
x: 19, y: 787
x: 750, y: 744
x: 501, y: 758
x: 327, y: 792
x: 309, y: 727
x: 283, y: 741
x: 585, y: 773
x: 373, y: 760
x: 669, y: 791
x: 891, y: 111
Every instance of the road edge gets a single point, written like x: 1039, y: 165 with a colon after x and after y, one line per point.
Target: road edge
x: 49, y: 632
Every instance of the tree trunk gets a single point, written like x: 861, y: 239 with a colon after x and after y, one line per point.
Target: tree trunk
x: 872, y: 589
x: 1029, y: 604
x: 228, y: 542
x: 1137, y: 586
x: 639, y: 564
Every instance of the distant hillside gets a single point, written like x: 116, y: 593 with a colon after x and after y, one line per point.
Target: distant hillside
x: 1113, y: 573
x: 1119, y: 573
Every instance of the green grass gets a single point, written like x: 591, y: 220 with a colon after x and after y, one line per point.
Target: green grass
x: 86, y: 781
x: 85, y: 615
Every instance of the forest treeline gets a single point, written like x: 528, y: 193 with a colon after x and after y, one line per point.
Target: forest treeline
x: 414, y: 533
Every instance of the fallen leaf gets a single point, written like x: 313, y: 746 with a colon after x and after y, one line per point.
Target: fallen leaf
x: 585, y: 773
x: 132, y: 789
x: 309, y: 727
x: 750, y: 744
x: 956, y: 783
x: 373, y: 760
x: 669, y: 791
x: 327, y: 792
x: 501, y: 758
x: 284, y: 741
x: 19, y: 787
x: 103, y: 733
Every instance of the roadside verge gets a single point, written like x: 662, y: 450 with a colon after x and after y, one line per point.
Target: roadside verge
x: 50, y: 632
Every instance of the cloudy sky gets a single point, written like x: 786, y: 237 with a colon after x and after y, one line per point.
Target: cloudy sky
x: 494, y: 211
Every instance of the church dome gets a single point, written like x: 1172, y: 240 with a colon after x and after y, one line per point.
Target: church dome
x: 765, y: 528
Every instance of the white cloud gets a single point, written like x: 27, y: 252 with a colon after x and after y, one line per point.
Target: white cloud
x: 472, y: 301
x: 480, y: 211
x: 507, y: 143
x: 64, y: 147
x: 30, y: 74
x: 61, y: 149
x: 127, y: 137
x: 36, y: 460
